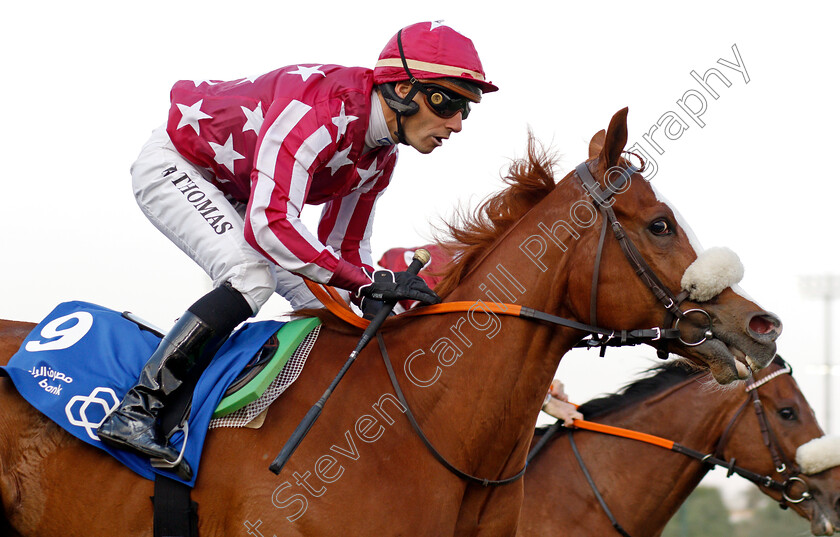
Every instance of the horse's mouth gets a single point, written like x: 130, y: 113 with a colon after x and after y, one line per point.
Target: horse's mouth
x: 823, y: 520
x: 732, y: 347
x: 728, y: 362
x: 821, y: 525
x: 743, y: 363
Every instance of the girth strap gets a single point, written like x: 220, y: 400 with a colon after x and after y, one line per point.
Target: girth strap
x: 440, y: 458
x: 175, y: 514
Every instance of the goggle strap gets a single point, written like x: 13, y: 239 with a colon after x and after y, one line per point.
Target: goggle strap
x: 402, y: 58
x: 416, y: 85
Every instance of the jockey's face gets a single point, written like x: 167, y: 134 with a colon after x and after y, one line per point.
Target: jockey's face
x: 425, y: 130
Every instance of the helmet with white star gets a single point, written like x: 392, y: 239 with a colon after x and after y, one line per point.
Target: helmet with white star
x: 436, y: 60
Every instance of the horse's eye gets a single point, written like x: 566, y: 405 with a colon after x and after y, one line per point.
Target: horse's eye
x: 660, y: 227
x: 787, y: 413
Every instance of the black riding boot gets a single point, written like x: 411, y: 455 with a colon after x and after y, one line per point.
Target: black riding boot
x: 133, y: 425
x: 182, y: 354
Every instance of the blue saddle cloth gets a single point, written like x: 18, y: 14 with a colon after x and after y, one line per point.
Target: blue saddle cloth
x: 77, y: 364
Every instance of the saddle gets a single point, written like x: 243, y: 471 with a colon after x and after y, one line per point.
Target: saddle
x: 265, y: 366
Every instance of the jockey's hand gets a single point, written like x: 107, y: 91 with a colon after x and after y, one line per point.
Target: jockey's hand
x: 558, y: 390
x: 370, y: 307
x: 557, y: 404
x: 397, y: 286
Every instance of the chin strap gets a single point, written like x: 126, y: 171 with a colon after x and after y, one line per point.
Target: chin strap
x: 401, y: 106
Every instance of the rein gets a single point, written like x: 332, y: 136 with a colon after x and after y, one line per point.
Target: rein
x: 711, y: 459
x: 607, y: 337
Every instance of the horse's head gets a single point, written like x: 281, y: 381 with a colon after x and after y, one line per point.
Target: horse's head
x: 792, y: 450
x: 694, y: 291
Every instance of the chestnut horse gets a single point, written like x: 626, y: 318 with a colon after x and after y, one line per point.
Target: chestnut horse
x: 473, y: 380
x: 643, y: 485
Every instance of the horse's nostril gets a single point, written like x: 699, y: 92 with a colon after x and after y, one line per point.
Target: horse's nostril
x: 764, y: 324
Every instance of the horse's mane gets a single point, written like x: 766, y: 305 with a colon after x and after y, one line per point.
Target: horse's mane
x: 470, y: 234
x: 659, y: 378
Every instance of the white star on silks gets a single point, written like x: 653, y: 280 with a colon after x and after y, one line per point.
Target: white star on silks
x: 208, y: 82
x: 250, y: 79
x: 225, y: 155
x: 341, y: 121
x: 306, y: 72
x: 436, y: 24
x: 254, y: 118
x: 191, y: 115
x: 339, y: 159
x: 368, y: 174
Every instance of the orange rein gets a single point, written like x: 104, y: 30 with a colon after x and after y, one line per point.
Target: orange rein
x: 330, y: 298
x: 624, y: 433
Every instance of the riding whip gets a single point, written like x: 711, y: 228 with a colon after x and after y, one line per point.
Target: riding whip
x: 421, y: 257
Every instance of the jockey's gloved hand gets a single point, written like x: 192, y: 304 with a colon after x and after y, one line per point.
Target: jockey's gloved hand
x: 371, y: 307
x: 387, y: 285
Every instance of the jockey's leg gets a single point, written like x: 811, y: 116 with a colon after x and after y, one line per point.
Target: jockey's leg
x: 194, y: 214
x: 185, y: 351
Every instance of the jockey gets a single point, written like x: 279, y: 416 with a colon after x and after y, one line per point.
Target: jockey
x: 227, y: 177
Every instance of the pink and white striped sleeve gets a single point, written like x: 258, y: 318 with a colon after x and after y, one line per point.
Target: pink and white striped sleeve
x: 292, y: 145
x: 347, y: 223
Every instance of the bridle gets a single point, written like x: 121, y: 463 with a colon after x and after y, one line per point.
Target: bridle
x: 786, y: 468
x: 789, y: 471
x: 603, y: 201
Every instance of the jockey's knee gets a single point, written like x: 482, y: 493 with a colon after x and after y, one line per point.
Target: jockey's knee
x: 256, y: 281
x: 292, y: 287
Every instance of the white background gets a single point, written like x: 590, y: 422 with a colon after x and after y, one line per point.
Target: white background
x: 84, y: 83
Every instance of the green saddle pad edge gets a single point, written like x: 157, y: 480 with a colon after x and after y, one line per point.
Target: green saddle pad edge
x: 290, y: 337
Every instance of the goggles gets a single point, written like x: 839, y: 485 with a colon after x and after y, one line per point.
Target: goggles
x: 442, y: 102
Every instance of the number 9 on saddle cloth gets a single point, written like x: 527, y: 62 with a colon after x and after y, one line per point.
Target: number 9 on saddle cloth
x: 76, y: 365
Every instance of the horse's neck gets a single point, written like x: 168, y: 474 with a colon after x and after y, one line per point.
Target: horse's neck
x: 695, y: 416
x: 507, y: 362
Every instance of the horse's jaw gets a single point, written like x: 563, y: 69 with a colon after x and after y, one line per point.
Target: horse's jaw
x: 721, y: 361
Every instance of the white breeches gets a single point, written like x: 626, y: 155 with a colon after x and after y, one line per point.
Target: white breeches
x: 184, y: 205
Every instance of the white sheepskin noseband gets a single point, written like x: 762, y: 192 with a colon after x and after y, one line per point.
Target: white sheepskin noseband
x: 713, y: 271
x: 818, y: 455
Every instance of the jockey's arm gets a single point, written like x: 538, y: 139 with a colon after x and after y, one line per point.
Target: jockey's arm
x: 346, y: 223
x: 280, y: 184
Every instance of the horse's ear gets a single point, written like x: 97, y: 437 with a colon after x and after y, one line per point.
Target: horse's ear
x: 615, y: 139
x: 596, y: 143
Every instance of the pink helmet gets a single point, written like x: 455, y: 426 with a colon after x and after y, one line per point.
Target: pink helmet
x: 431, y: 50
